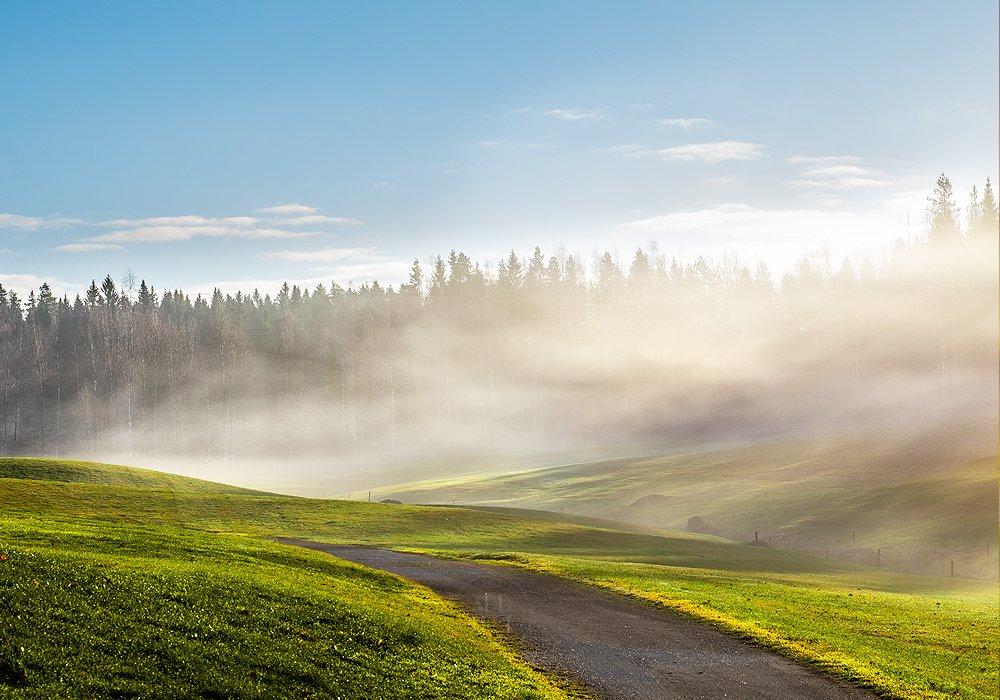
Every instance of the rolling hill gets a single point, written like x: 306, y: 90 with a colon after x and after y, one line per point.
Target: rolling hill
x: 125, y: 582
x: 909, y: 500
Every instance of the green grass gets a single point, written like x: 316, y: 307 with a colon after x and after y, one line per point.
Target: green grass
x: 924, y: 498
x: 81, y: 472
x: 99, y: 605
x: 884, y: 630
x: 904, y: 636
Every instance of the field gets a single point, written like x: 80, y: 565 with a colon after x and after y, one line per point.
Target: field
x: 90, y: 551
x: 101, y: 605
x: 907, y: 500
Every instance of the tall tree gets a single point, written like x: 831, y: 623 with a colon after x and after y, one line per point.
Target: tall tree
x: 942, y: 215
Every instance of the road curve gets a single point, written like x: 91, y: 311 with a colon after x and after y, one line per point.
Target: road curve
x: 617, y: 646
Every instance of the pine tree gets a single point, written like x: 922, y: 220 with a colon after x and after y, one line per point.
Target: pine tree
x: 110, y: 293
x: 145, y: 299
x: 510, y: 272
x: 94, y: 297
x: 942, y: 213
x: 439, y: 278
x: 986, y: 226
x: 553, y: 275
x: 415, y: 285
x: 641, y: 272
x: 973, y: 212
x: 536, y: 269
x: 46, y: 310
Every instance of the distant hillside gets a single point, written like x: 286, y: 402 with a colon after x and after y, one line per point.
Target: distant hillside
x: 924, y: 498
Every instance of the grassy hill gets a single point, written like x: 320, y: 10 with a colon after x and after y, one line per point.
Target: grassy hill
x: 924, y: 498
x: 81, y: 472
x: 173, y: 587
x: 110, y: 592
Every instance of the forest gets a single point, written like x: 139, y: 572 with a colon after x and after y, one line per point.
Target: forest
x: 549, y: 350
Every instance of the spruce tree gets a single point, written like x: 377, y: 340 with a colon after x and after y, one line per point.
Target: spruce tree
x: 986, y: 226
x: 942, y: 214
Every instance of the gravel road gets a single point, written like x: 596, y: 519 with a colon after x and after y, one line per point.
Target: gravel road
x: 615, y: 645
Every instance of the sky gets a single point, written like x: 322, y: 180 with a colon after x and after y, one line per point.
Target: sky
x: 238, y: 145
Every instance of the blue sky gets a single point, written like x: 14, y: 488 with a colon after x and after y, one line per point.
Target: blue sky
x: 244, y: 144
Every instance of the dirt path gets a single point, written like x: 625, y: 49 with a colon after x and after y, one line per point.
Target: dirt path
x: 617, y: 646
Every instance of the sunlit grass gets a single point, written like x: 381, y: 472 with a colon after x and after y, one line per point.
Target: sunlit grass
x: 99, y: 605
x: 907, y: 636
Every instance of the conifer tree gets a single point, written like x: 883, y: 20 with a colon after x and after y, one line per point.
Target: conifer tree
x: 942, y: 213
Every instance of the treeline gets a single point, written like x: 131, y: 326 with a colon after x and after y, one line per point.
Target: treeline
x: 545, y: 349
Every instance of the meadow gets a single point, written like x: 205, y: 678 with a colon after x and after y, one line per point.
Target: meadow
x: 212, y: 607
x: 909, y: 500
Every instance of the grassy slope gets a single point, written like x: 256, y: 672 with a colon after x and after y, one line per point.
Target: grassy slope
x: 908, y: 645
x: 924, y: 499
x: 902, y: 635
x: 100, y: 605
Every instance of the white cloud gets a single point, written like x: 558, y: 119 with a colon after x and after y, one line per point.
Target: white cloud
x: 86, y: 247
x: 34, y: 223
x: 283, y: 221
x: 24, y: 284
x: 835, y: 171
x: 626, y: 149
x: 713, y: 152
x: 504, y: 143
x: 186, y: 220
x: 288, y: 209
x: 844, y: 183
x: 386, y: 271
x: 838, y: 173
x: 687, y: 123
x: 347, y: 265
x: 25, y: 223
x: 777, y: 236
x: 573, y: 115
x: 324, y: 255
x: 169, y: 233
x: 818, y: 160
x: 314, y: 219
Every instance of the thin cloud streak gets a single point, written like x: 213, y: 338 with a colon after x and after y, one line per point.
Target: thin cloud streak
x: 687, y: 123
x: 573, y: 115
x: 325, y: 255
x: 838, y: 173
x: 711, y: 152
x: 281, y: 221
x: 287, y: 209
x: 164, y: 234
x: 818, y: 160
x: 315, y: 219
x: 21, y: 222
x: 86, y: 247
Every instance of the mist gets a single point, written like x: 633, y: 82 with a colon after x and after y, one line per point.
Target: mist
x: 331, y: 389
